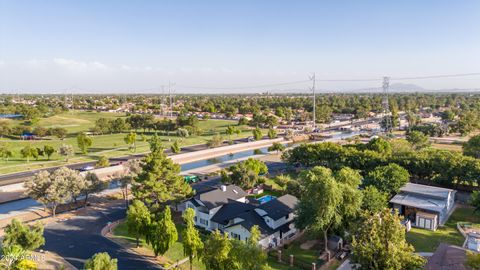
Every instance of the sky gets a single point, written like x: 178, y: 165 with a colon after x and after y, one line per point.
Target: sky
x: 115, y: 46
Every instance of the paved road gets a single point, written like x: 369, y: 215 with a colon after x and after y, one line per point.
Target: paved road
x: 79, y: 238
x: 14, y: 178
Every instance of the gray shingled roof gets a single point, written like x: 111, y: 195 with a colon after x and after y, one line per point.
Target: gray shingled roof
x: 250, y: 219
x: 217, y: 197
x: 230, y: 211
x: 447, y: 257
x: 280, y: 207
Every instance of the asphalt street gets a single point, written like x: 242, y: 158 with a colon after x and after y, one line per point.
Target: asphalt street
x: 20, y: 177
x: 78, y: 238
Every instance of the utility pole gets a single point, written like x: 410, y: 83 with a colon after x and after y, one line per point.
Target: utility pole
x: 312, y: 78
x: 170, y: 98
x: 386, y: 106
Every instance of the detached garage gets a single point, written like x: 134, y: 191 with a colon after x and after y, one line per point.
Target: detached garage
x: 426, y: 207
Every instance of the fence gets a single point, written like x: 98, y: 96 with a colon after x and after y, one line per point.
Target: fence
x: 294, y: 262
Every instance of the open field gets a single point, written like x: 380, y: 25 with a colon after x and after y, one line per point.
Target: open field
x: 110, y: 145
x: 427, y: 241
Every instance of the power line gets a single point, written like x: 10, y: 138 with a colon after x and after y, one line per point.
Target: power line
x: 245, y: 87
x: 379, y: 79
x: 437, y: 76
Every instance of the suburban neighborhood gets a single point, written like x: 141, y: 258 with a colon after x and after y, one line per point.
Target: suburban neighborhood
x: 239, y: 135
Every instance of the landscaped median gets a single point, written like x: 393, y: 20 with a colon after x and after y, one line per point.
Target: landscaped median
x: 118, y: 233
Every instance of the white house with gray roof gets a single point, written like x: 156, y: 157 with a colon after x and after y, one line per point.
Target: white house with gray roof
x: 425, y: 206
x: 228, y: 210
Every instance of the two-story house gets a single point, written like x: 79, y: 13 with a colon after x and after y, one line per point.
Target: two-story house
x: 228, y: 210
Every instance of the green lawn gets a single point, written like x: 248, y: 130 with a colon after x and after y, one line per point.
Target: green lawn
x: 174, y: 254
x: 427, y: 241
x: 110, y: 145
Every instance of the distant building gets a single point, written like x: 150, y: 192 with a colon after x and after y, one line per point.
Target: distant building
x: 425, y: 206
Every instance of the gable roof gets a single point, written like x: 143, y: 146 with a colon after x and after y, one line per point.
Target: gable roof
x: 250, y: 219
x: 447, y: 257
x: 428, y: 191
x: 230, y: 211
x: 280, y: 207
x: 216, y: 197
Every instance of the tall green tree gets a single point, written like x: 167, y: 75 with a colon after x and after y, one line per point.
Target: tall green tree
x: 51, y: 189
x: 29, y: 152
x: 102, y: 162
x: 66, y: 150
x: 389, y: 178
x: 84, y: 142
x: 418, y: 139
x: 232, y: 130
x: 162, y: 233
x: 257, y: 134
x: 374, y: 200
x: 5, y: 153
x: 192, y: 242
x: 216, y: 252
x: 131, y: 139
x: 175, y: 147
x: 272, y: 134
x: 93, y: 185
x: 138, y: 220
x: 48, y: 150
x: 472, y: 147
x: 101, y: 261
x: 25, y: 236
x: 159, y: 180
x: 318, y: 210
x: 475, y: 200
x: 379, y: 243
x: 276, y: 146
x: 248, y: 254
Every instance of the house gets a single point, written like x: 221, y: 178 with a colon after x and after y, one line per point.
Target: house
x: 228, y: 210
x: 425, y: 206
x: 447, y: 257
x: 207, y: 203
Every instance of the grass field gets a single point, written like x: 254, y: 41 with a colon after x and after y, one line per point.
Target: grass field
x: 427, y: 241
x: 110, y: 145
x: 175, y: 253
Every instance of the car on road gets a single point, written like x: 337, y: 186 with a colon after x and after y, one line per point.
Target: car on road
x: 86, y: 168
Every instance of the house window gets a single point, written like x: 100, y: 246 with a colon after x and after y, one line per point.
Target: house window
x: 204, y: 222
x: 235, y: 236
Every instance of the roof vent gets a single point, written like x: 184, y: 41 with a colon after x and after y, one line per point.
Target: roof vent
x: 223, y: 187
x: 234, y: 191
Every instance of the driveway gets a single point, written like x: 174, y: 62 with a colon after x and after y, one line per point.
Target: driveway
x: 78, y: 238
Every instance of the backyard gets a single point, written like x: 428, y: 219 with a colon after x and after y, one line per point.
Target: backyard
x: 427, y: 241
x: 109, y: 145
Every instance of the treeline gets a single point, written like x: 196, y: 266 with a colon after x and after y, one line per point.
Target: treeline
x: 428, y: 165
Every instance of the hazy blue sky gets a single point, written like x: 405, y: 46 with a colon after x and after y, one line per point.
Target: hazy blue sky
x: 100, y: 45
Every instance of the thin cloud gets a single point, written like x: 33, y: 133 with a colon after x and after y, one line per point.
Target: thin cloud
x: 75, y: 65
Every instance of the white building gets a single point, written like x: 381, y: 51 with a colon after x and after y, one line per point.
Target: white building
x: 228, y: 210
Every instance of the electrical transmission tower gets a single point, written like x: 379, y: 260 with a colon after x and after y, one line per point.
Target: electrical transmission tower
x: 387, y: 117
